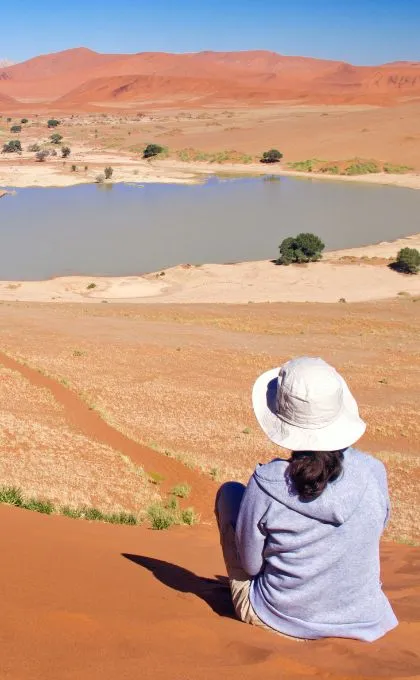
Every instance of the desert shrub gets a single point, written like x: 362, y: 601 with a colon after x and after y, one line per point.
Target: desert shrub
x: 53, y: 152
x: 40, y: 156
x: 362, y: 168
x: 330, y: 169
x: 90, y: 286
x: 408, y: 261
x: 8, y: 120
x: 393, y: 169
x: 152, y: 150
x: 108, y: 172
x: 53, y: 122
x: 304, y: 247
x: 271, y: 156
x: 15, y: 129
x: 303, y: 166
x: 189, y: 516
x: 24, y: 121
x: 74, y: 168
x: 33, y: 148
x: 56, y: 138
x: 65, y: 151
x: 181, y: 490
x: 100, y: 179
x: 161, y: 517
x: 14, y: 146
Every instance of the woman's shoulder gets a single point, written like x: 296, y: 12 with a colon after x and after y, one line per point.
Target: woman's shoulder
x: 273, y: 470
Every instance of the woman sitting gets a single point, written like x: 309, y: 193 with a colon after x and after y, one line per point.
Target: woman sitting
x: 301, y: 541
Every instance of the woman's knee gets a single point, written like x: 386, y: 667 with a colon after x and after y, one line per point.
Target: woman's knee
x: 228, y: 502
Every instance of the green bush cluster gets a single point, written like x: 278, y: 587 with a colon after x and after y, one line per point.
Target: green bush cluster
x: 408, y: 261
x: 14, y: 146
x: 164, y: 515
x: 271, y: 156
x: 152, y: 150
x: 304, y: 247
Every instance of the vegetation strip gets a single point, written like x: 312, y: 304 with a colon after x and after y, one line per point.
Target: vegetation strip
x: 89, y: 421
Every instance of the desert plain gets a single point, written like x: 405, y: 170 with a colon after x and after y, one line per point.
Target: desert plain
x: 110, y: 404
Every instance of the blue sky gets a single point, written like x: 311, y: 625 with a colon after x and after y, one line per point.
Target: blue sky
x: 359, y: 31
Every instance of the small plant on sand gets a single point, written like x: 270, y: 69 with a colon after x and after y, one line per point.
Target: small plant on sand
x: 45, y: 507
x: 74, y: 168
x: 152, y: 150
x: 108, y: 172
x: 40, y: 156
x: 181, y: 490
x: 53, y: 122
x: 163, y: 516
x: 90, y: 286
x: 65, y: 151
x: 271, y: 156
x: 14, y: 146
x: 24, y: 121
x: 300, y: 248
x: 56, y: 138
x: 15, y: 129
x: 358, y: 167
x: 214, y: 473
x: 33, y: 148
x: 160, y: 517
x: 11, y: 495
x: 155, y: 478
x: 100, y: 179
x: 408, y: 261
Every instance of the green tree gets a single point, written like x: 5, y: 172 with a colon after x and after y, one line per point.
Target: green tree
x: 56, y: 138
x: 271, y: 156
x: 304, y: 247
x: 53, y: 122
x: 16, y: 128
x: 14, y: 146
x: 152, y: 150
x: 65, y: 151
x: 408, y: 261
x: 108, y: 172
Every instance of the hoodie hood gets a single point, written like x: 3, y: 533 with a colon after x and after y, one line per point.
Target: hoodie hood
x: 340, y: 498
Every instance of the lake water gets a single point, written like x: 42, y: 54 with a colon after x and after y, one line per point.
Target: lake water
x: 122, y: 230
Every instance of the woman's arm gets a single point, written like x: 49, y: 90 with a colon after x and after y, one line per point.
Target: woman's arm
x: 250, y: 528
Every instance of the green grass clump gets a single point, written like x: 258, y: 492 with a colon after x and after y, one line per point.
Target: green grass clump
x: 330, y: 169
x: 362, y: 168
x: 45, y: 507
x: 155, y: 478
x: 163, y: 516
x: 181, y: 490
x: 308, y: 165
x: 189, y: 516
x: 90, y: 286
x: 11, y: 495
x: 393, y: 169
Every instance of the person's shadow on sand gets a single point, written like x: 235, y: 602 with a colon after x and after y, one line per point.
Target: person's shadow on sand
x: 215, y: 592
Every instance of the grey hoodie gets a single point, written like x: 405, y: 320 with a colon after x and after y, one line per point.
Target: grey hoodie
x: 316, y: 564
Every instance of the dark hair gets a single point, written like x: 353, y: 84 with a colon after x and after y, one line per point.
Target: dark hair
x: 310, y: 471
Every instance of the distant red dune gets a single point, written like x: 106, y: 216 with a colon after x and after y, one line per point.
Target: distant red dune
x: 81, y: 78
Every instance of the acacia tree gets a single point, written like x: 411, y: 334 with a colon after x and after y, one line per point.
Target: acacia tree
x: 271, y: 156
x: 304, y: 247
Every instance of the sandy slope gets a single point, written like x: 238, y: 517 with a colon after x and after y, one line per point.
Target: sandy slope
x: 87, y: 601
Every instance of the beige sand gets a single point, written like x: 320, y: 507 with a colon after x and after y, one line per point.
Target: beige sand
x: 27, y: 173
x: 355, y: 275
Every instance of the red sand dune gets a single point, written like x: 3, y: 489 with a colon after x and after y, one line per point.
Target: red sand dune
x: 87, y: 601
x: 80, y: 76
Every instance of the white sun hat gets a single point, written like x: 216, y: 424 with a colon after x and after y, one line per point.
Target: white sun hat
x: 305, y: 405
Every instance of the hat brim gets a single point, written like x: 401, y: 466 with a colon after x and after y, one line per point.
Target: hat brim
x: 340, y: 434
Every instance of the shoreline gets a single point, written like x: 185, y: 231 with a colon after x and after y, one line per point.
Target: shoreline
x: 351, y: 275
x: 132, y: 171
